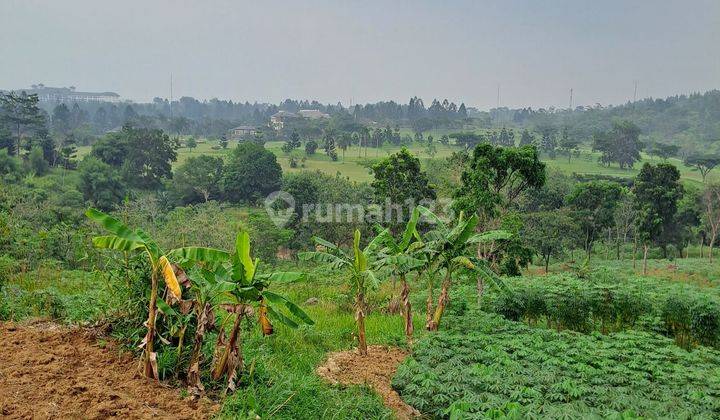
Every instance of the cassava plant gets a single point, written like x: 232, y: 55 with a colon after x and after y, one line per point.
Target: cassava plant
x: 360, y: 266
x: 122, y: 238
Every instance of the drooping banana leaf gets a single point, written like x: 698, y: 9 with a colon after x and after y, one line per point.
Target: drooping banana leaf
x: 152, y: 247
x: 117, y: 243
x: 493, y: 278
x: 323, y: 258
x: 112, y: 225
x: 278, y: 316
x: 199, y: 254
x: 331, y: 247
x: 430, y: 216
x: 489, y: 236
x: 292, y: 307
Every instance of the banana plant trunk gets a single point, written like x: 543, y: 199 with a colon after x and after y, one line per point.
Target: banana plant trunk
x: 360, y: 319
x: 442, y: 303
x: 150, y: 369
x: 231, y: 358
x: 429, y: 305
x: 407, y: 309
x: 193, y: 377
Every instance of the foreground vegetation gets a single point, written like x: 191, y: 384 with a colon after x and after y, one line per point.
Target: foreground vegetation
x: 484, y: 366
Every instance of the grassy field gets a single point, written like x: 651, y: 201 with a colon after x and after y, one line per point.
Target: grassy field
x: 355, y: 161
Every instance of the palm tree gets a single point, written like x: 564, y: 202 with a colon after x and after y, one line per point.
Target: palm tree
x: 359, y: 266
x: 122, y: 238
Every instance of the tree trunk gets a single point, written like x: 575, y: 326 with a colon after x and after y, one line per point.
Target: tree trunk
x: 442, y: 303
x: 19, y: 137
x: 645, y: 252
x: 547, y: 263
x: 360, y: 319
x: 634, y: 252
x: 710, y: 248
x: 407, y: 309
x: 702, y: 244
x: 150, y: 357
x: 607, y: 248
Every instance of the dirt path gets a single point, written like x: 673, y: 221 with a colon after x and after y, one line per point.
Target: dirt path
x: 51, y: 372
x: 375, y: 370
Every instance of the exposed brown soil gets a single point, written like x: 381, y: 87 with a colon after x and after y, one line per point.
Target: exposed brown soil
x: 375, y: 370
x: 48, y: 371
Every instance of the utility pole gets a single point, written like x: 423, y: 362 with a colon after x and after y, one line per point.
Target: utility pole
x: 497, y: 108
x: 571, y: 98
x: 635, y: 91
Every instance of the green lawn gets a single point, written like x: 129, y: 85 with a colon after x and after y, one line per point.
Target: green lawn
x: 350, y: 163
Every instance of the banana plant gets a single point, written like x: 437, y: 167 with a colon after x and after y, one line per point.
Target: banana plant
x: 448, y: 247
x: 360, y: 266
x: 122, y: 238
x: 398, y: 255
x: 241, y: 287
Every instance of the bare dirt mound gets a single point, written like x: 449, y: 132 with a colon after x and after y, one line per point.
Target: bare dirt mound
x: 47, y: 371
x: 375, y: 370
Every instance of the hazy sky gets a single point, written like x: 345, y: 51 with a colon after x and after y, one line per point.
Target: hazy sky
x: 366, y: 50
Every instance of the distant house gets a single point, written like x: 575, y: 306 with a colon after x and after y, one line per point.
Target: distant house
x: 279, y: 119
x: 69, y: 94
x: 312, y: 114
x: 242, y: 131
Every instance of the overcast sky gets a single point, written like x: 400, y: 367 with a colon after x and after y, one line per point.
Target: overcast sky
x: 366, y: 50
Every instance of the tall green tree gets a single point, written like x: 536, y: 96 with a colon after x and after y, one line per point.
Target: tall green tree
x: 495, y: 177
x: 310, y: 147
x: 550, y: 234
x: 594, y: 204
x: 664, y: 151
x: 526, y: 139
x: 703, y: 163
x: 21, y: 114
x: 100, y: 183
x: 568, y: 144
x: 399, y: 179
x: 149, y: 157
x: 620, y: 145
x: 657, y: 192
x: 251, y: 173
x: 61, y: 119
x: 198, y: 179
